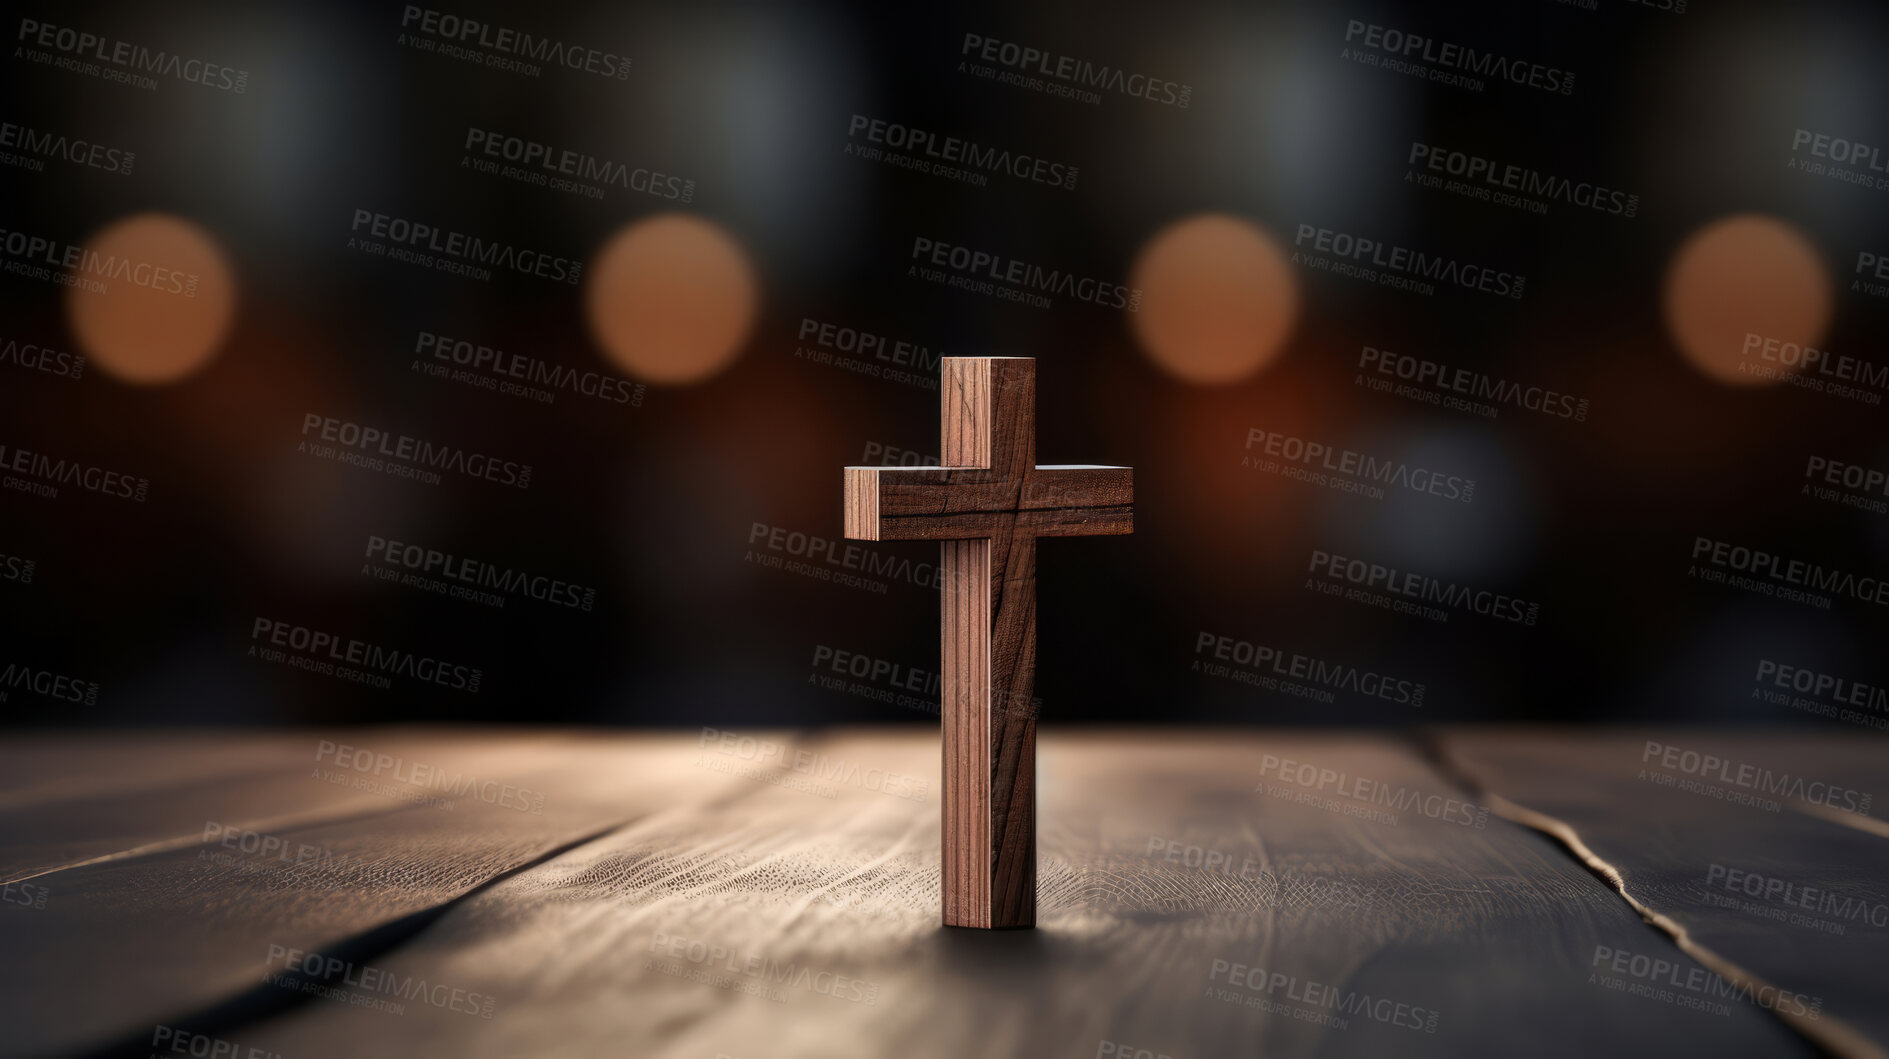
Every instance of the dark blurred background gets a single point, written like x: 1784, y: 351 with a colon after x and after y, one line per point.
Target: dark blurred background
x: 714, y: 316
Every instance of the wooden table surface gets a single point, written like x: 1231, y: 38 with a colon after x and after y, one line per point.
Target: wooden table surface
x: 771, y: 894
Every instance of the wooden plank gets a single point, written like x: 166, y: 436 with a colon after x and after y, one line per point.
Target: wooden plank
x: 966, y: 411
x: 965, y: 830
x: 1758, y: 851
x: 989, y: 652
x: 1006, y: 782
x: 43, y: 767
x: 165, y: 794
x: 947, y: 503
x: 149, y: 940
x: 1079, y: 500
x: 782, y: 922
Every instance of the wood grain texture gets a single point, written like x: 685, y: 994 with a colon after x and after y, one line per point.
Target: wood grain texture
x: 758, y: 917
x: 989, y: 503
x: 967, y: 737
x: 1760, y: 854
x: 214, y: 785
x: 179, y: 928
x: 950, y: 503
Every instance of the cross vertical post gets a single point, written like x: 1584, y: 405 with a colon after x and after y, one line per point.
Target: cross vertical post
x: 988, y: 504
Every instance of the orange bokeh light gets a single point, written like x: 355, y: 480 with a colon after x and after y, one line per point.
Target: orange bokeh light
x: 1745, y: 275
x: 671, y: 299
x: 168, y: 301
x: 1218, y: 299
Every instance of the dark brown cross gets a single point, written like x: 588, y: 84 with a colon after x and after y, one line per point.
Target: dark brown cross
x: 988, y: 504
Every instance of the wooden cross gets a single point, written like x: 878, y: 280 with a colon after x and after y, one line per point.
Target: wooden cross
x: 988, y: 504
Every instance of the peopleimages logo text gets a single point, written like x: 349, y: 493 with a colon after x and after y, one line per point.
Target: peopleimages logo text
x: 34, y: 357
x: 968, y: 153
x: 425, y: 454
x: 331, y: 971
x: 1422, y: 588
x: 1072, y: 71
x: 1746, y: 776
x: 77, y: 150
x: 1829, y: 686
x: 1448, y: 55
x: 1758, y: 563
x: 1324, y: 459
x: 1476, y: 384
x: 470, y: 32
x: 1400, y: 265
x: 982, y: 265
x: 129, y: 56
x: 316, y: 643
x: 1336, y: 675
x: 419, y: 236
x: 433, y: 563
x: 1521, y: 180
x: 44, y: 474
x: 535, y: 371
x: 40, y: 250
x: 57, y: 686
x: 544, y: 163
x: 1318, y: 1002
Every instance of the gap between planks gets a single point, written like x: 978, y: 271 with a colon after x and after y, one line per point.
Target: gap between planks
x: 1831, y: 1034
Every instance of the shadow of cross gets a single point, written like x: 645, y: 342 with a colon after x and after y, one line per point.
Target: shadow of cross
x: 988, y: 504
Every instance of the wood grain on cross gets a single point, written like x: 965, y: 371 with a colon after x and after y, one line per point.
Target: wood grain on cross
x: 988, y: 504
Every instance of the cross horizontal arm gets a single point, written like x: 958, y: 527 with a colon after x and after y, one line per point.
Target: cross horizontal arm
x: 962, y: 503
